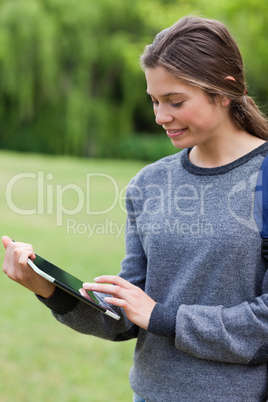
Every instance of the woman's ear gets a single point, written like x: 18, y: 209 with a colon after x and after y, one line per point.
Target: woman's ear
x: 225, y: 101
x: 230, y: 78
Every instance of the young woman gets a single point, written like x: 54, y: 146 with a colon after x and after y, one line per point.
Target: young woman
x: 193, y: 286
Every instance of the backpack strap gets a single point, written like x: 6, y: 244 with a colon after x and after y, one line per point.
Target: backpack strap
x: 261, y: 206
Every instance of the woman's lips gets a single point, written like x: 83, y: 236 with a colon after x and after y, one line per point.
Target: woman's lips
x: 175, y: 133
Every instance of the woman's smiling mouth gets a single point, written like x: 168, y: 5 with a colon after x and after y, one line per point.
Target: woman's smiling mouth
x: 176, y: 132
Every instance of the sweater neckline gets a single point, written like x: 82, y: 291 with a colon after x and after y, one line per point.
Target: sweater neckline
x: 200, y: 171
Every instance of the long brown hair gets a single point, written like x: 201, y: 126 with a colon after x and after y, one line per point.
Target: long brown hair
x: 203, y: 53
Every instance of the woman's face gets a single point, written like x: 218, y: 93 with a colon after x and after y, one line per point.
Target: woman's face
x: 185, y: 112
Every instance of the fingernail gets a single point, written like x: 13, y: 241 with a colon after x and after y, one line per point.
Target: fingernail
x: 89, y: 286
x: 108, y: 299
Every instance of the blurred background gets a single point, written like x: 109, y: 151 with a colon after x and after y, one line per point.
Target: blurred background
x: 76, y: 126
x: 70, y: 80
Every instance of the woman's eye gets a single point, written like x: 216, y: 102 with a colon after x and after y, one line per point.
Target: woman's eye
x: 179, y: 104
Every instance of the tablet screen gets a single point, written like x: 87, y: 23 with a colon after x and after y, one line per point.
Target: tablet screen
x: 71, y: 284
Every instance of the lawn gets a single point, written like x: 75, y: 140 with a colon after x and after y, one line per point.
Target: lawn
x: 72, y: 211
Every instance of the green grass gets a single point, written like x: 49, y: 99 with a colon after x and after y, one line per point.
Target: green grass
x: 42, y: 360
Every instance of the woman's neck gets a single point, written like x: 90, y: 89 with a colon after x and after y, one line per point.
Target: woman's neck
x: 222, y: 152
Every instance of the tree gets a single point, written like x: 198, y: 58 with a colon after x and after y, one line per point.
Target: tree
x: 70, y: 80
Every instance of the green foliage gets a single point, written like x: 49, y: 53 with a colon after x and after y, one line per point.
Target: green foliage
x: 140, y: 147
x: 70, y: 80
x: 70, y: 61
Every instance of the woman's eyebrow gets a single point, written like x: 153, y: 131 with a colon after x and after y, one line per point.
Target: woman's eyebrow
x: 168, y: 94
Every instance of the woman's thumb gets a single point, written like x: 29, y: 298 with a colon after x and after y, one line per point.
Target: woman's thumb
x: 6, y: 240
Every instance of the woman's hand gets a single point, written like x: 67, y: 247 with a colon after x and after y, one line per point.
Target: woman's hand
x: 137, y: 305
x: 16, y: 267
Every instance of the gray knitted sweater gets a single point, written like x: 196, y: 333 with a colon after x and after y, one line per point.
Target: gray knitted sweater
x: 192, y: 244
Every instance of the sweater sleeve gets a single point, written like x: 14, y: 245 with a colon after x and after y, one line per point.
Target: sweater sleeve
x: 85, y: 319
x: 237, y: 334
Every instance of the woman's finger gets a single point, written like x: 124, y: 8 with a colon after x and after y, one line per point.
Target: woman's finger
x: 6, y: 240
x: 113, y: 290
x: 113, y: 279
x: 136, y: 303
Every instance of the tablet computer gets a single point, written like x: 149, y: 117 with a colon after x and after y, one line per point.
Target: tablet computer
x: 70, y: 284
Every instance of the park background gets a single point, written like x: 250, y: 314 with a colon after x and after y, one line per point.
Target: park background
x: 76, y: 126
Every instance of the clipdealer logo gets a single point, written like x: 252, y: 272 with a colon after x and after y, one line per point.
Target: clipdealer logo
x: 50, y: 198
x: 161, y: 200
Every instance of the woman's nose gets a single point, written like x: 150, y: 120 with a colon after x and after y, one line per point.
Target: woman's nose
x: 162, y: 115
